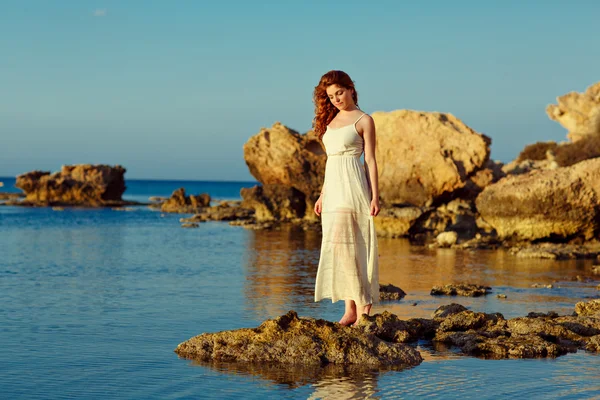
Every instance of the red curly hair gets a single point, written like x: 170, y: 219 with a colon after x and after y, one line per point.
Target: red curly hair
x: 325, y: 111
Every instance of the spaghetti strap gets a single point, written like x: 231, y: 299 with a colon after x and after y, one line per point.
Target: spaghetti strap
x: 359, y: 118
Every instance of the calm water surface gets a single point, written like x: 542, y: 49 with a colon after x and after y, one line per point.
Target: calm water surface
x: 93, y: 303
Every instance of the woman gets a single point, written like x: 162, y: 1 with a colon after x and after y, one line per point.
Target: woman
x: 348, y: 266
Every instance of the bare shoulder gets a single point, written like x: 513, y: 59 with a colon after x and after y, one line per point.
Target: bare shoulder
x: 365, y: 124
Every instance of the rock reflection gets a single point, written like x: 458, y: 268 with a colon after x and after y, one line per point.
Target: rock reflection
x: 281, y: 268
x: 328, y: 382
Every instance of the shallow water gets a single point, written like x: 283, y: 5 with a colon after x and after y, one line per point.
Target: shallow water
x: 95, y: 301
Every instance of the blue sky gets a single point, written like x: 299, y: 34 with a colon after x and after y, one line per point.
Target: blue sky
x: 172, y: 90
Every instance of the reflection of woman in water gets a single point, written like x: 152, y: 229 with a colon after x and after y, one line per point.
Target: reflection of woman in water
x: 348, y: 266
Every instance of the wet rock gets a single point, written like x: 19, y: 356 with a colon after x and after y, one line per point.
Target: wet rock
x: 559, y: 203
x: 549, y: 314
x: 454, y: 152
x: 542, y: 327
x: 80, y: 185
x: 292, y: 340
x: 180, y: 203
x: 461, y: 289
x: 589, y: 308
x: 446, y: 239
x: 542, y: 285
x: 390, y: 292
x: 447, y: 310
x: 557, y: 251
x: 222, y: 213
x: 501, y: 296
x: 158, y: 199
x: 468, y: 320
x: 593, y: 344
x: 389, y: 327
x: 11, y: 196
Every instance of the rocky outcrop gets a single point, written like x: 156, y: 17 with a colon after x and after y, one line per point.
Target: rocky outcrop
x: 461, y: 289
x: 75, y: 185
x: 274, y: 202
x: 559, y: 203
x: 579, y: 113
x: 423, y: 156
x: 180, y: 203
x: 292, y: 340
x: 225, y: 211
x: 491, y: 335
x: 281, y: 156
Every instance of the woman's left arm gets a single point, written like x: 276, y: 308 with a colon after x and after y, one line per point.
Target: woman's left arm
x: 370, y: 162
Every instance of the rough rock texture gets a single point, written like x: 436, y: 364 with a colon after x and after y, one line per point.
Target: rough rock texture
x: 557, y: 251
x: 461, y: 289
x: 559, y: 203
x: 180, y: 203
x: 274, y: 202
x: 292, y: 340
x: 221, y: 212
x: 396, y: 221
x: 391, y: 292
x: 282, y: 156
x: 590, y: 308
x: 447, y: 310
x: 75, y: 185
x: 389, y: 327
x: 424, y: 155
x: 579, y: 113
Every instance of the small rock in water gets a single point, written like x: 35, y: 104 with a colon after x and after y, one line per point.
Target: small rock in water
x: 461, y: 289
x: 414, y: 304
x: 58, y: 209
x: 540, y: 285
x: 447, y: 310
x: 190, y: 225
x: 501, y: 296
x: 390, y: 292
x: 446, y: 239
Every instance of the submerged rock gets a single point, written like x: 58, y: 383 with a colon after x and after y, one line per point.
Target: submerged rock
x: 289, y: 339
x: 461, y: 289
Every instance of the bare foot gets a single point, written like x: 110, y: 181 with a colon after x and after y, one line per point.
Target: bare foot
x: 365, y: 310
x: 348, y: 319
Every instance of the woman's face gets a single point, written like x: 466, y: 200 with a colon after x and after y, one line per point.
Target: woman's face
x: 340, y: 97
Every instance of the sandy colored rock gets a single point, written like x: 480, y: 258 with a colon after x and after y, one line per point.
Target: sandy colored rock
x: 557, y: 251
x: 281, y: 156
x: 389, y: 327
x: 274, y: 202
x: 589, y: 308
x: 292, y: 340
x: 541, y: 204
x: 75, y: 185
x: 180, y: 203
x: 395, y: 222
x: 446, y: 239
x: 579, y: 113
x: 423, y: 155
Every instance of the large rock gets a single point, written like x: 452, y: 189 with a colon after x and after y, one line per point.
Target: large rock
x: 425, y: 155
x: 292, y: 340
x: 557, y: 203
x: 77, y: 185
x: 274, y: 202
x: 578, y: 112
x: 282, y: 156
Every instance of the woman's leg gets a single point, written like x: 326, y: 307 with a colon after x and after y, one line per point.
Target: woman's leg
x: 350, y: 313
